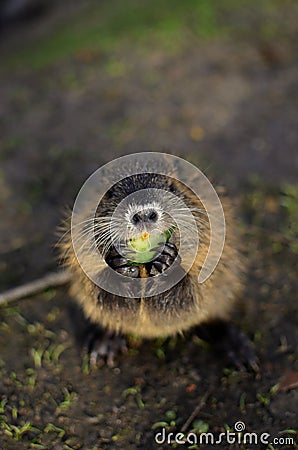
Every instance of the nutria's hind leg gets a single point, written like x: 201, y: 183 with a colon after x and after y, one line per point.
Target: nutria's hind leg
x: 103, y: 346
x: 230, y: 342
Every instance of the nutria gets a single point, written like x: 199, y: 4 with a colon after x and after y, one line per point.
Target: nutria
x: 206, y: 307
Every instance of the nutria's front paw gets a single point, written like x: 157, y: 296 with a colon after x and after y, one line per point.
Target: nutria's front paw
x: 102, y: 346
x: 121, y: 264
x: 165, y: 259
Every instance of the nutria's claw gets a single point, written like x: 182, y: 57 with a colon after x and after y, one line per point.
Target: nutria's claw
x: 117, y: 261
x: 165, y: 259
x: 129, y: 271
x: 240, y: 352
x: 159, y: 266
x: 121, y: 265
x: 170, y: 249
x: 230, y: 342
x: 103, y: 346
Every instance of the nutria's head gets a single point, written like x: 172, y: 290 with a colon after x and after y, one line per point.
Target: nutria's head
x: 134, y: 219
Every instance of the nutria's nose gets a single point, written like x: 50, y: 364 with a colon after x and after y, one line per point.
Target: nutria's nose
x: 149, y: 215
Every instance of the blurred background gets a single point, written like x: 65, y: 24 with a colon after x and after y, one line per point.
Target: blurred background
x: 214, y: 82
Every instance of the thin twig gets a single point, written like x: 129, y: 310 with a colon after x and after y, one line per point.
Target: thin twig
x: 34, y: 287
x: 195, y: 412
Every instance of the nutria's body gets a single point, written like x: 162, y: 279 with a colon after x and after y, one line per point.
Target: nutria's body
x: 185, y: 305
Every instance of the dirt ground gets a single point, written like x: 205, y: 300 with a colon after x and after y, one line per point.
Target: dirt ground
x: 229, y: 106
